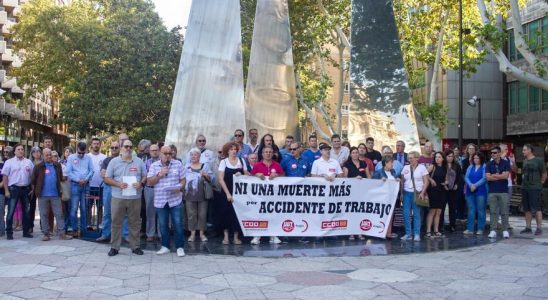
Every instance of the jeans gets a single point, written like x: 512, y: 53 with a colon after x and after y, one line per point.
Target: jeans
x: 78, y: 197
x: 18, y: 194
x: 475, y: 204
x: 408, y: 205
x: 176, y: 219
x: 107, y: 214
x: 498, y: 202
x: 2, y: 214
x: 66, y: 213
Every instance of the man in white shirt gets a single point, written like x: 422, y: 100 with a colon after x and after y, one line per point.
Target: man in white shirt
x: 339, y: 153
x: 325, y: 166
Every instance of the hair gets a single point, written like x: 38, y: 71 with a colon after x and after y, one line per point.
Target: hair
x: 352, y: 149
x: 195, y: 150
x: 415, y: 154
x: 47, y: 137
x: 386, y: 159
x: 54, y: 153
x: 369, y: 139
x: 468, y: 146
x: 312, y: 136
x: 95, y: 139
x: 69, y: 148
x: 496, y: 148
x: 346, y: 143
x: 253, y: 129
x: 400, y: 141
x: 173, y: 148
x: 480, y: 156
x: 199, y: 136
x: 335, y: 136
x: 239, y: 130
x: 444, y: 161
x: 455, y: 146
x: 289, y: 137
x: 267, y: 147
x: 274, y: 148
x: 530, y: 147
x: 361, y: 144
x: 228, y: 146
x: 18, y: 145
x: 384, y: 149
x: 145, y: 143
x: 34, y: 150
x: 81, y: 146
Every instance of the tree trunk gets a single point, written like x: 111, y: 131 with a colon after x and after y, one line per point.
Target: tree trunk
x: 434, y: 81
x: 311, y: 115
x: 340, y: 96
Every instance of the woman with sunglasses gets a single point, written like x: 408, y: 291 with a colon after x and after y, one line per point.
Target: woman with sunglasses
x: 476, y: 193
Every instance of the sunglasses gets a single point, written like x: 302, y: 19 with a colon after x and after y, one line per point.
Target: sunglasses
x: 128, y: 146
x: 238, y: 135
x: 113, y: 148
x: 201, y: 141
x: 168, y: 153
x: 293, y: 149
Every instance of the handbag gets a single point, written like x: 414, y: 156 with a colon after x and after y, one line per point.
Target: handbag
x: 425, y: 202
x: 65, y: 190
x: 208, y: 188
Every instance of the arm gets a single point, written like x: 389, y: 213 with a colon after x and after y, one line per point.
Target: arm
x: 345, y: 172
x: 426, y: 180
x: 70, y: 172
x: 90, y: 169
x: 483, y: 179
x: 115, y: 183
x: 6, y: 186
x: 466, y: 180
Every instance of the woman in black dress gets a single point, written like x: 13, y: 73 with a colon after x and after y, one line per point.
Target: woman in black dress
x: 354, y: 167
x: 437, y: 194
x: 454, y: 182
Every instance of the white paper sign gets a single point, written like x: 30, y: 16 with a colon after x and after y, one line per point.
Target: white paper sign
x: 130, y: 190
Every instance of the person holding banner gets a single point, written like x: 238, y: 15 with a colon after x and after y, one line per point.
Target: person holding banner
x: 388, y: 172
x: 354, y: 167
x: 294, y: 165
x: 267, y: 168
x: 325, y: 166
x: 415, y: 184
x: 230, y: 166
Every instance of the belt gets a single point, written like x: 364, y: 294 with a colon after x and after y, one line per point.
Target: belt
x: 19, y: 186
x: 149, y: 186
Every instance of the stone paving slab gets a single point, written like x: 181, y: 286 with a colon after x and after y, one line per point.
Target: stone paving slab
x: 77, y: 269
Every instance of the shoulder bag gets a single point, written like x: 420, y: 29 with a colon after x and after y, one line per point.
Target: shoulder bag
x: 416, y: 195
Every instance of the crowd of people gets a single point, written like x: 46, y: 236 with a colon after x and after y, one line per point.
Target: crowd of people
x: 147, y: 192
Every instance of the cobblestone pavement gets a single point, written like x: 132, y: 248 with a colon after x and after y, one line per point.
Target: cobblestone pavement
x: 510, y: 269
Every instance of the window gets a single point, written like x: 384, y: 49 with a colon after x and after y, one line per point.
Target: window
x: 534, y: 35
x: 534, y: 98
x: 347, y: 87
x: 544, y: 100
x: 344, y: 109
x: 544, y: 34
x: 512, y: 97
x: 522, y: 98
x: 511, y: 46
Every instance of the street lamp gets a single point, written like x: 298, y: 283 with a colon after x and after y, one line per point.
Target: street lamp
x: 475, y: 101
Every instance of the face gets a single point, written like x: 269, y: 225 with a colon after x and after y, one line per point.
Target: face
x: 325, y: 152
x: 154, y: 151
x: 388, y: 165
x: 288, y: 142
x: 267, y: 154
x: 428, y: 148
x: 355, y: 154
x: 471, y: 150
x: 127, y: 147
x: 48, y: 143
x: 450, y: 157
x: 55, y: 157
x: 495, y: 154
x: 295, y: 149
x: 336, y: 143
x: 503, y: 150
x: 477, y: 160
x: 439, y: 158
x: 400, y: 147
x: 80, y: 153
x: 268, y: 140
x: 6, y: 153
x: 115, y: 148
x: 238, y: 136
x: 233, y: 151
x: 19, y: 151
x: 195, y: 157
x: 37, y: 155
x: 95, y: 146
x: 200, y: 142
x: 166, y: 154
x: 362, y: 149
x: 67, y: 153
x: 412, y: 159
x: 48, y: 157
x: 456, y: 151
x: 252, y: 158
x: 370, y: 144
x: 253, y: 135
x: 526, y: 151
x: 313, y: 142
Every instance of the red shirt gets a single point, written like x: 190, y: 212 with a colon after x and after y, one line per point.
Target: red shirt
x: 260, y: 167
x: 369, y: 164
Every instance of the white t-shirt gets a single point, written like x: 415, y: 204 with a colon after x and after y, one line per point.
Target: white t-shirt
x: 97, y: 161
x: 225, y: 163
x: 389, y: 176
x: 342, y: 156
x: 322, y: 167
x: 418, y: 173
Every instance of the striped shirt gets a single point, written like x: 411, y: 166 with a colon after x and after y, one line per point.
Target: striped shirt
x: 163, y: 190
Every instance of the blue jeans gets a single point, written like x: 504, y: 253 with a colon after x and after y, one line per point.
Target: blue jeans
x: 176, y: 219
x: 18, y: 194
x: 107, y: 214
x: 475, y: 204
x: 408, y: 205
x: 78, y: 197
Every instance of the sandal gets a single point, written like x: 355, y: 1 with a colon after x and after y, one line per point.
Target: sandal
x: 428, y: 235
x: 226, y: 242
x: 438, y: 234
x: 237, y: 242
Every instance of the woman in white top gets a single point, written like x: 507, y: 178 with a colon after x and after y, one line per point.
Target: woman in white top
x: 230, y: 166
x: 415, y: 178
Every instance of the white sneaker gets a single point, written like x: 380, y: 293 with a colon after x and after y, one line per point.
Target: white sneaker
x: 417, y: 238
x: 163, y: 250
x: 492, y: 234
x: 479, y: 232
x: 506, y: 234
x: 467, y: 232
x: 180, y: 252
x: 406, y: 237
x: 275, y: 240
x: 256, y: 240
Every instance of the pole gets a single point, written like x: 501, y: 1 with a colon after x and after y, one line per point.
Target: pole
x: 479, y: 122
x: 461, y: 120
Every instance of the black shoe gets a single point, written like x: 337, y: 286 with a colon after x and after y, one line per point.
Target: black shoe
x: 138, y: 251
x: 526, y: 231
x: 31, y: 229
x: 112, y: 252
x: 27, y: 235
x: 10, y: 236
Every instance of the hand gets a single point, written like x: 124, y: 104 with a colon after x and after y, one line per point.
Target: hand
x: 398, y: 179
x: 473, y: 188
x: 7, y: 194
x: 103, y: 173
x: 229, y: 198
x: 422, y: 195
x: 203, y: 173
x: 330, y: 178
x: 82, y: 182
x: 123, y: 185
x: 359, y: 177
x: 164, y: 171
x: 30, y: 193
x: 272, y: 176
x: 238, y: 174
x: 384, y: 179
x: 455, y: 187
x: 136, y: 185
x: 261, y: 176
x: 433, y: 183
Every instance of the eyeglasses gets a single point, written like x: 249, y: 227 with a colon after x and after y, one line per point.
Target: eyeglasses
x: 238, y: 135
x: 128, y: 146
x: 167, y: 153
x: 293, y: 149
x: 6, y: 151
x: 201, y: 141
x: 114, y: 148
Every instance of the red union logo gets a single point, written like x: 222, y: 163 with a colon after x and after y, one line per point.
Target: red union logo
x: 365, y: 225
x: 334, y: 224
x: 288, y: 225
x: 255, y: 224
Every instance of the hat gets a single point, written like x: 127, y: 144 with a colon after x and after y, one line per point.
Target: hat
x: 324, y: 146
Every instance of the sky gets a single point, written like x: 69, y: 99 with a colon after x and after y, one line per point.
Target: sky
x: 173, y: 12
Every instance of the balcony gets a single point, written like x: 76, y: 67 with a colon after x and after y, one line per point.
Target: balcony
x: 38, y: 117
x: 10, y: 3
x: 3, y: 17
x: 16, y: 11
x: 2, y: 75
x: 2, y: 47
x: 8, y: 56
x: 16, y: 62
x: 7, y: 27
x: 9, y: 83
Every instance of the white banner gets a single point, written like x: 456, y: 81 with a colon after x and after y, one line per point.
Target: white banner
x: 294, y: 206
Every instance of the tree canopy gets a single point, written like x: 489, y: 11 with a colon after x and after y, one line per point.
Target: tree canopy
x: 112, y: 63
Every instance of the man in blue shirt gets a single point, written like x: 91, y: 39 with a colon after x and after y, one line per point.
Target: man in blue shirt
x: 46, y: 180
x: 294, y: 164
x: 497, y: 171
x: 245, y: 150
x: 80, y: 171
x: 312, y: 153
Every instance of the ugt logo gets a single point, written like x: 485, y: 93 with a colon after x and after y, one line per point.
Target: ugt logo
x: 288, y: 225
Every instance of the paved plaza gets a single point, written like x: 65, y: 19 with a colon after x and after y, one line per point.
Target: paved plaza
x: 508, y: 269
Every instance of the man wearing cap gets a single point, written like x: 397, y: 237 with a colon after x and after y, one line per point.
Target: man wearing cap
x: 325, y: 166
